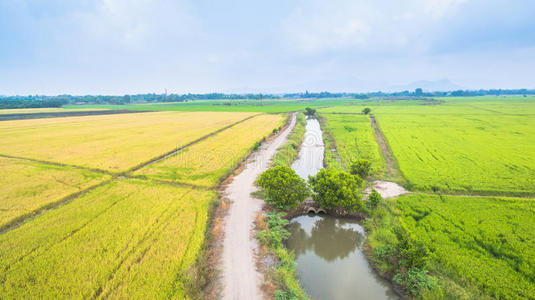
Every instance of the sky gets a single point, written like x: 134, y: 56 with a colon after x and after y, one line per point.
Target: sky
x: 120, y: 47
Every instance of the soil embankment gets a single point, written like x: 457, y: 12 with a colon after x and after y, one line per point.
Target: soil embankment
x: 392, y: 169
x: 241, y: 279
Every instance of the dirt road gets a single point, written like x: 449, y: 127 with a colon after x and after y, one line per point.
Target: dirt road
x: 240, y: 277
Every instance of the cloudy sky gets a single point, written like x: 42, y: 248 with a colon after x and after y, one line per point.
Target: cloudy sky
x: 137, y: 46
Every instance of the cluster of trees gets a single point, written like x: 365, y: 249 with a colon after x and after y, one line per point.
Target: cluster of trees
x: 332, y: 189
x: 9, y: 103
x: 56, y: 101
x: 458, y: 93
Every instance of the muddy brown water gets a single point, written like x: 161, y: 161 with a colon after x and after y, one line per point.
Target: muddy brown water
x: 330, y: 261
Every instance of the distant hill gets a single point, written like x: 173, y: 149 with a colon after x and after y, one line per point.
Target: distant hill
x: 428, y: 86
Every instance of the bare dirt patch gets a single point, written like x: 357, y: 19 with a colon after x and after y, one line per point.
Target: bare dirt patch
x: 387, y: 189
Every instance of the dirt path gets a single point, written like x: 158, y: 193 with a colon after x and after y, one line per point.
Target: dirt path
x: 392, y: 169
x: 240, y: 277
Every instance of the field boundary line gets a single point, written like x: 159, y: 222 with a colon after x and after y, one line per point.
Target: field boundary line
x: 50, y: 206
x: 65, y: 237
x: 172, y: 183
x: 58, y: 164
x: 340, y: 113
x: 65, y: 114
x: 174, y: 151
x: 392, y: 168
x: 65, y: 200
x: 481, y: 194
x: 137, y: 167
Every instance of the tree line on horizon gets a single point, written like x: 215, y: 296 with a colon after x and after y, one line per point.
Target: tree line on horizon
x: 40, y: 101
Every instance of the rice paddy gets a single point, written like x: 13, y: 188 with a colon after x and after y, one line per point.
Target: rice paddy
x: 112, y: 143
x: 205, y: 163
x: 87, y: 227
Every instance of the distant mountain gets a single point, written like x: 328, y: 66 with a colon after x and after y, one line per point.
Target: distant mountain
x: 443, y: 85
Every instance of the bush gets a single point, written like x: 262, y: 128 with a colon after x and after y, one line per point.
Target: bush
x: 361, y: 168
x: 374, y: 199
x: 416, y: 281
x: 411, y: 253
x: 336, y: 189
x: 284, y: 188
x: 366, y: 111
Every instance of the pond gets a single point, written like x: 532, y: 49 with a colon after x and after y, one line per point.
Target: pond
x: 330, y: 260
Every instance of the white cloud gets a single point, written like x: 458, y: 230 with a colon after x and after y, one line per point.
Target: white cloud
x: 139, y: 22
x: 368, y: 26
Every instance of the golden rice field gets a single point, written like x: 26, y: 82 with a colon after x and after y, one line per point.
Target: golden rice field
x: 113, y: 143
x: 204, y: 164
x: 27, y: 186
x: 130, y: 238
x: 108, y: 236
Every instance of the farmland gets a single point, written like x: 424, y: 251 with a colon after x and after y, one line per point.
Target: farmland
x: 476, y: 146
x: 268, y: 106
x: 33, y: 185
x: 126, y: 238
x: 112, y: 143
x: 205, y: 163
x: 480, y: 246
x: 107, y: 232
x: 354, y: 139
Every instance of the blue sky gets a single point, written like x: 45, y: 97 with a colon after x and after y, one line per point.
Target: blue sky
x: 137, y: 46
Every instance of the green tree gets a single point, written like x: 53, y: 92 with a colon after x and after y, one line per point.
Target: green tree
x: 284, y: 188
x: 366, y: 111
x: 418, y: 91
x: 361, y: 168
x: 336, y: 189
x: 374, y: 199
x: 310, y: 111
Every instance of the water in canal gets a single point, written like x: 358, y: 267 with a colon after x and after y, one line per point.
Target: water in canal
x: 310, y: 159
x: 329, y: 256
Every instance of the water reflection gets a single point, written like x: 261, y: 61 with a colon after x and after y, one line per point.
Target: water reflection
x: 324, y: 233
x: 330, y: 262
x: 310, y: 160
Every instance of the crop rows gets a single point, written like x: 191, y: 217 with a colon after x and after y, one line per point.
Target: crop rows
x: 206, y: 162
x: 471, y: 154
x: 485, y: 241
x: 113, y: 142
x: 28, y: 186
x: 355, y: 139
x: 128, y: 237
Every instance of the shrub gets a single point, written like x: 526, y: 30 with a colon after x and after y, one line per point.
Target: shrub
x: 416, y: 281
x: 284, y: 188
x: 411, y: 253
x: 366, y: 111
x: 374, y: 199
x: 336, y: 189
x: 361, y: 168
